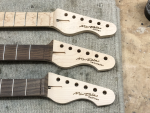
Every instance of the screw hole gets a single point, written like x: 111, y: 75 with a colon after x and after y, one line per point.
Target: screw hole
x: 82, y: 19
x: 73, y: 16
x: 96, y: 55
x: 85, y: 87
x: 61, y: 45
x: 76, y: 84
x: 67, y: 81
x: 104, y: 92
x: 70, y: 48
x: 66, y: 14
x: 58, y: 79
x: 78, y: 50
x: 95, y: 89
x: 90, y: 21
x: 107, y: 25
x: 87, y: 53
x: 98, y: 23
x: 105, y: 58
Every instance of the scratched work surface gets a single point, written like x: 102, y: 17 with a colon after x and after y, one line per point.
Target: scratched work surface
x: 100, y: 9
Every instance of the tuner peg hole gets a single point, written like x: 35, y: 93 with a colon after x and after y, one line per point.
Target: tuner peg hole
x: 78, y: 50
x: 85, y: 87
x: 61, y: 45
x: 58, y: 79
x: 107, y: 25
x: 66, y: 14
x: 98, y: 23
x: 87, y: 53
x: 96, y: 55
x: 104, y: 92
x: 70, y: 48
x: 90, y: 21
x: 82, y: 19
x: 95, y: 89
x: 76, y: 84
x: 105, y: 58
x: 73, y: 16
x: 67, y: 81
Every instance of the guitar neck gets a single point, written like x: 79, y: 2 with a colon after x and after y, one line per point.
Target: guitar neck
x: 26, y: 52
x: 23, y: 87
x: 26, y: 19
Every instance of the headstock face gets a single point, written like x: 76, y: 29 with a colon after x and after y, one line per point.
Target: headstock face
x: 73, y: 55
x: 71, y: 23
x: 64, y: 90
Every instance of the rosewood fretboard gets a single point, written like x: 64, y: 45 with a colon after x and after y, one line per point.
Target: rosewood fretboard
x: 23, y: 87
x: 26, y: 52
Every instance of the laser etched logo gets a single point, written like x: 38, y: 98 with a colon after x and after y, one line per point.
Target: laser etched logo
x: 89, y: 95
x: 92, y: 27
x: 93, y: 61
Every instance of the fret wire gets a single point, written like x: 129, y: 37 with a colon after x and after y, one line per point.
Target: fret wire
x: 4, y: 19
x: 26, y: 88
x: 25, y: 19
x: 4, y: 52
x: 29, y: 51
x: 16, y: 52
x: 37, y: 19
x: 14, y: 18
x: 12, y: 88
x: 0, y: 85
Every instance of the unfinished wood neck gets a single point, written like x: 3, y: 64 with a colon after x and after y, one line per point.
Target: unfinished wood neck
x: 58, y: 88
x: 66, y: 22
x: 62, y: 54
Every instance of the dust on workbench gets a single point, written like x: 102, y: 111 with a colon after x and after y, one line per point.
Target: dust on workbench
x: 135, y: 55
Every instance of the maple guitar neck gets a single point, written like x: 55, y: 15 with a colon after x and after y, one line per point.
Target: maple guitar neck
x: 58, y: 88
x: 66, y: 22
x: 62, y: 54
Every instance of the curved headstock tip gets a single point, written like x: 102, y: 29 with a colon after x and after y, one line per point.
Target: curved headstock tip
x: 64, y: 90
x: 71, y: 23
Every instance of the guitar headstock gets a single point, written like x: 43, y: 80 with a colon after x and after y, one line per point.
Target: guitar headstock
x: 71, y: 23
x: 64, y: 90
x: 66, y: 55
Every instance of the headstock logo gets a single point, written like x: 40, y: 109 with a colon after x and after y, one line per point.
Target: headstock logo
x: 92, y: 27
x: 93, y: 61
x: 89, y: 95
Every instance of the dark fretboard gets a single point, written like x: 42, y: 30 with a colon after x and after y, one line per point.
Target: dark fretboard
x: 23, y: 87
x: 26, y: 52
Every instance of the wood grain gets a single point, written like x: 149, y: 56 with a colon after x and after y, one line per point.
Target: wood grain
x: 23, y: 87
x: 66, y: 22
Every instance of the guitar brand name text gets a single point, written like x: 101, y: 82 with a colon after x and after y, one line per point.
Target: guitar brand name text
x: 92, y: 27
